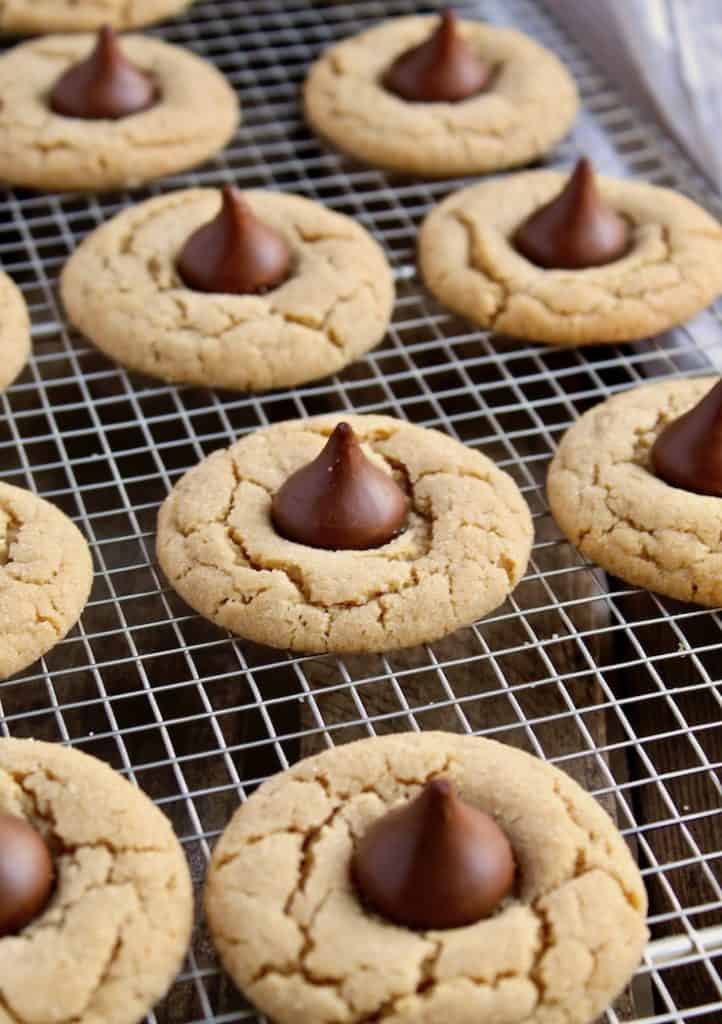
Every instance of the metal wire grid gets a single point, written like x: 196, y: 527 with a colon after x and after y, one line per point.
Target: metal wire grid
x: 614, y: 685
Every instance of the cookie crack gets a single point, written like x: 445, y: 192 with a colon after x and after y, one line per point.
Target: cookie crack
x: 322, y: 325
x: 595, y: 840
x: 12, y: 530
x: 487, y: 270
x: 625, y: 518
x: 296, y: 577
x: 6, y: 1008
x: 305, y: 869
x: 49, y: 820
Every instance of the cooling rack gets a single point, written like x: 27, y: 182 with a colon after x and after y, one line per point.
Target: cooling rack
x: 614, y: 685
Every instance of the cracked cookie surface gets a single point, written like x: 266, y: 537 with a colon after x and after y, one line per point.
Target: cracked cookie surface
x: 465, y: 547
x: 294, y: 936
x: 117, y: 926
x: 121, y: 289
x: 38, y: 16
x: 605, y: 497
x: 14, y: 331
x: 195, y: 117
x: 45, y: 577
x: 528, y: 108
x: 672, y: 271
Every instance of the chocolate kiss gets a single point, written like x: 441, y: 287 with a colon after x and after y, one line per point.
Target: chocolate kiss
x: 576, y: 229
x: 235, y: 253
x: 436, y: 863
x: 26, y: 874
x: 340, y: 501
x: 441, y: 69
x: 688, y: 452
x: 105, y: 86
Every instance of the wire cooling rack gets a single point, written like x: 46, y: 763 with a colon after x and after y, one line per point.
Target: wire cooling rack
x: 614, y: 685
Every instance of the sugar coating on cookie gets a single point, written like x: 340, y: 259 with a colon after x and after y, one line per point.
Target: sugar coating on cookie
x: 45, y: 577
x: 117, y: 926
x: 527, y: 109
x: 673, y: 268
x: 122, y: 289
x: 605, y: 497
x: 295, y: 937
x: 464, y: 549
x: 14, y: 331
x: 39, y: 16
x: 195, y: 117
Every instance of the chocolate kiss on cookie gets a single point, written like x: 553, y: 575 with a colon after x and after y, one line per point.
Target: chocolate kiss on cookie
x: 436, y: 863
x: 341, y: 501
x: 577, y: 229
x: 235, y: 253
x: 688, y: 452
x: 104, y: 86
x: 26, y: 874
x: 442, y: 69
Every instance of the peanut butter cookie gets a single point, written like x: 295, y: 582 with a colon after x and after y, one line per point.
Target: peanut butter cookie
x: 611, y: 505
x: 122, y: 289
x: 528, y: 107
x: 294, y: 935
x: 45, y: 577
x: 195, y: 116
x: 464, y: 549
x: 40, y: 16
x: 672, y: 270
x: 14, y: 331
x: 113, y: 935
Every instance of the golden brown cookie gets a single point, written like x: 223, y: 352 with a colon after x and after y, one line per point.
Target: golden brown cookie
x: 14, y: 331
x: 117, y: 926
x: 122, y: 289
x: 195, y: 118
x: 295, y: 937
x: 609, y: 503
x: 464, y: 550
x: 529, y: 107
x: 40, y: 16
x: 672, y: 271
x: 45, y: 577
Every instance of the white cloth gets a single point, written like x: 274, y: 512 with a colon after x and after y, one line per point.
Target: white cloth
x: 668, y: 54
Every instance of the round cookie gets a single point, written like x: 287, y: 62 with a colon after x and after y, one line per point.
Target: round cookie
x: 14, y: 331
x: 605, y: 498
x: 294, y: 935
x: 117, y: 926
x: 195, y: 118
x: 121, y: 288
x: 45, y: 577
x: 465, y: 547
x: 528, y: 108
x: 38, y: 16
x: 672, y: 271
